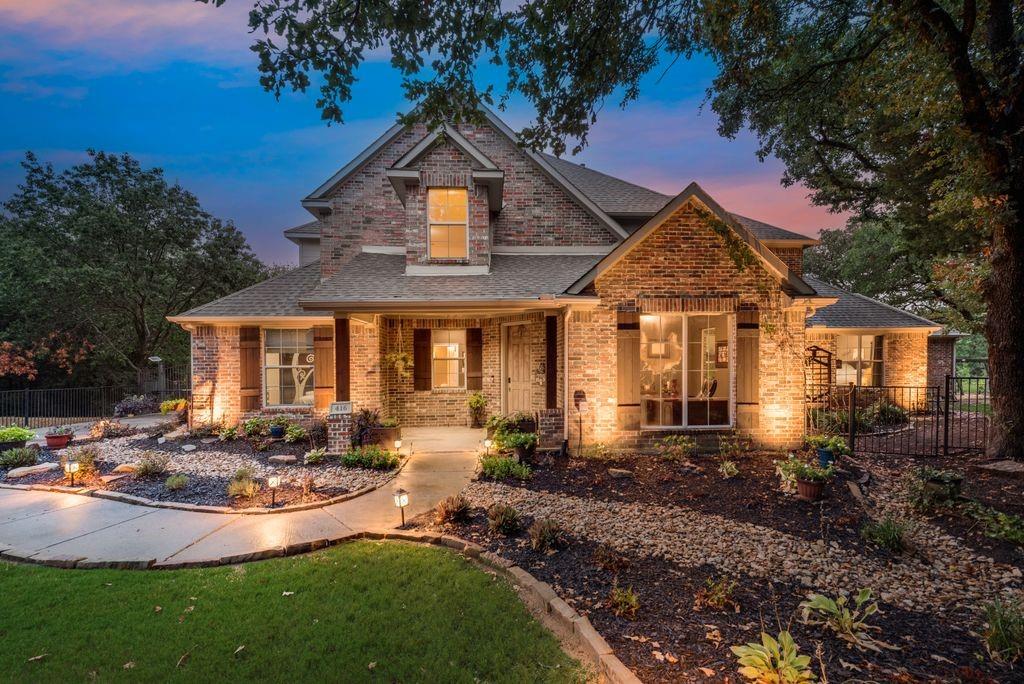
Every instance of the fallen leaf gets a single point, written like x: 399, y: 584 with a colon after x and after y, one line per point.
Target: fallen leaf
x: 655, y: 644
x: 937, y: 657
x: 707, y: 671
x: 287, y: 593
x: 714, y: 635
x: 671, y: 658
x: 157, y: 609
x: 129, y: 665
x: 239, y: 649
x: 38, y: 657
x: 372, y: 666
x: 659, y: 656
x: 848, y: 666
x: 184, y: 658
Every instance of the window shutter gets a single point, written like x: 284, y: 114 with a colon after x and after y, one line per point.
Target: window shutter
x: 747, y: 357
x: 421, y: 359
x: 474, y: 359
x: 323, y: 366
x: 249, y: 368
x: 342, y: 373
x: 628, y: 359
x: 551, y: 362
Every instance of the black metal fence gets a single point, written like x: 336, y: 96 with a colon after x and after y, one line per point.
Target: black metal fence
x: 904, y: 420
x: 36, y: 408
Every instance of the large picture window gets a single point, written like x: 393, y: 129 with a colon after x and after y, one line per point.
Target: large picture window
x: 448, y: 358
x: 859, y: 360
x: 288, y: 367
x: 684, y: 370
x: 448, y: 215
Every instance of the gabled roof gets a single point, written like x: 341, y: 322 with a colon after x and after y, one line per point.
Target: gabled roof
x: 310, y: 229
x: 791, y: 283
x: 278, y: 296
x: 854, y: 310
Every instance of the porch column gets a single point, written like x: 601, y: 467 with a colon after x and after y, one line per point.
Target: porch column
x: 342, y: 360
x: 339, y: 428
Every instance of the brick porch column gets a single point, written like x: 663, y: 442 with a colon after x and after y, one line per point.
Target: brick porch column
x: 339, y: 428
x: 551, y: 428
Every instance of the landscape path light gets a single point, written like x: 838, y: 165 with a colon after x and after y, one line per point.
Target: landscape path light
x: 71, y: 467
x: 401, y: 501
x: 274, y: 481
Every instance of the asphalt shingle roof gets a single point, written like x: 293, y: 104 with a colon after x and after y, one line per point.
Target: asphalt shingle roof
x: 857, y: 311
x: 381, y: 277
x: 278, y: 296
x: 310, y: 229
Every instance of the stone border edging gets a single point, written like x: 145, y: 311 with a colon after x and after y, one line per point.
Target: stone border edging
x: 121, y: 497
x: 565, y: 621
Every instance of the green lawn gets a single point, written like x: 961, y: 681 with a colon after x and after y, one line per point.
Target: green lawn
x: 366, y: 611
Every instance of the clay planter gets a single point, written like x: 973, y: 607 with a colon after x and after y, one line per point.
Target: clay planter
x: 57, y: 441
x: 383, y: 436
x: 826, y: 457
x: 809, y: 491
x: 4, y: 446
x: 525, y: 425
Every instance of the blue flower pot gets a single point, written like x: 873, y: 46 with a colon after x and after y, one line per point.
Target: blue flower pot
x: 277, y: 431
x: 825, y: 457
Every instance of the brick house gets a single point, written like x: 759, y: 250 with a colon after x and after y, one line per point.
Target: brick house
x: 443, y: 263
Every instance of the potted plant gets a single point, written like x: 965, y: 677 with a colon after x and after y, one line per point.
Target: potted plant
x: 827, y: 447
x: 59, y: 436
x: 522, y: 422
x: 477, y: 403
x: 523, y: 444
x: 14, y: 437
x: 811, y: 479
x: 385, y: 434
x: 945, y: 484
x: 277, y: 427
x: 496, y: 424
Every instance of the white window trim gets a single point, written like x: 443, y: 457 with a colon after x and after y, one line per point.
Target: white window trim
x: 263, y: 370
x: 730, y: 327
x: 430, y: 224
x: 463, y: 359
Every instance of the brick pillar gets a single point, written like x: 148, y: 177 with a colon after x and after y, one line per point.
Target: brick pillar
x: 551, y: 428
x: 339, y: 428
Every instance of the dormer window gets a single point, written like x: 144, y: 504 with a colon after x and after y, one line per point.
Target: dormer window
x: 448, y: 216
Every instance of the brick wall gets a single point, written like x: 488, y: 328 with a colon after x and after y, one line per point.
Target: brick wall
x: 940, y: 360
x: 215, y: 375
x: 681, y: 262
x: 906, y: 359
x: 339, y: 430
x: 793, y: 257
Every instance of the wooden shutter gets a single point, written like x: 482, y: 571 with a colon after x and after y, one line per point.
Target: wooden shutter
x: 628, y: 371
x: 551, y: 362
x: 474, y: 359
x: 747, y: 357
x: 323, y: 366
x: 342, y: 370
x: 421, y: 359
x: 249, y: 368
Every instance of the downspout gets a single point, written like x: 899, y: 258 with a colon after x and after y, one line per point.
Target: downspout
x: 565, y: 366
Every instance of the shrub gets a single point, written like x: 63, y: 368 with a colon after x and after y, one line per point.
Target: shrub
x: 731, y: 446
x: 152, y: 463
x: 610, y: 560
x: 255, y: 427
x: 1004, y: 631
x: 716, y: 594
x: 172, y: 405
x: 389, y: 423
x: 362, y: 422
x: 811, y: 472
x: 624, y: 602
x: 259, y: 443
x: 17, y: 458
x: 778, y: 661
x: 886, y: 533
x: 504, y: 519
x: 849, y: 623
x: 176, y: 482
x: 677, y: 447
x: 885, y: 413
x: 109, y: 429
x: 452, y: 509
x: 835, y: 443
x: 85, y: 457
x: 242, y: 485
x: 318, y: 433
x: 371, y: 456
x: 503, y: 468
x: 546, y: 535
x: 15, y: 433
x: 520, y: 440
x: 477, y: 404
x: 280, y: 421
x: 228, y: 434
x: 294, y: 432
x: 135, y: 405
x: 60, y: 431
x: 728, y: 469
x: 315, y: 456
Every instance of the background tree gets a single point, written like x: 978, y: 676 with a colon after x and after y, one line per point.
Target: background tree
x: 907, y: 109
x: 94, y: 260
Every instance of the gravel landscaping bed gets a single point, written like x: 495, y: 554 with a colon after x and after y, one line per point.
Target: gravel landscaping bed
x: 675, y: 527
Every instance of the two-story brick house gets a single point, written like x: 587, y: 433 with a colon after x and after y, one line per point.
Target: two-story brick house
x: 442, y: 263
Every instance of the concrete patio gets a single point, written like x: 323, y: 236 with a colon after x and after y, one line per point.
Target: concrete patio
x: 71, y: 530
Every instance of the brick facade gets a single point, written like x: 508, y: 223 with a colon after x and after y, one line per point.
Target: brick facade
x: 793, y: 257
x: 906, y: 359
x: 941, y: 355
x: 215, y: 375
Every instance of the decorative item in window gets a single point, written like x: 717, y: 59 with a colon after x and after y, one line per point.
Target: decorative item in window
x: 722, y: 355
x: 288, y: 367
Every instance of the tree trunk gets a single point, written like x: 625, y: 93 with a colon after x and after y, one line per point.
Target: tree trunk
x: 1004, y: 328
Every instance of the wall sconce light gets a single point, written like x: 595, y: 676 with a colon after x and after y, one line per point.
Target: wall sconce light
x: 71, y: 467
x: 401, y: 501
x: 274, y: 481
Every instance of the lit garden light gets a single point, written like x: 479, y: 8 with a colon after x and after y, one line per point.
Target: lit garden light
x: 274, y: 481
x: 398, y: 445
x: 488, y: 443
x: 71, y: 467
x: 401, y: 501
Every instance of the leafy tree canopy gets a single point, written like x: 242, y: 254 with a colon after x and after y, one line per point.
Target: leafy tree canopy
x: 95, y: 258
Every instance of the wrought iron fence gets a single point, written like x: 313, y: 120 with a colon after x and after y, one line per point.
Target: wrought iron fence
x: 36, y: 408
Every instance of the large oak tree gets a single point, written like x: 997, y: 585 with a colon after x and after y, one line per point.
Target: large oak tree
x: 903, y: 109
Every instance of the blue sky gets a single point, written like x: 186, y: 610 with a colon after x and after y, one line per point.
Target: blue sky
x: 173, y: 83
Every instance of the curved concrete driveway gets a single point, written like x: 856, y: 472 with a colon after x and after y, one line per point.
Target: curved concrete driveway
x: 77, y: 531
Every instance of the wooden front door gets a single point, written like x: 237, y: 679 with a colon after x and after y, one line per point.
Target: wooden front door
x: 517, y: 369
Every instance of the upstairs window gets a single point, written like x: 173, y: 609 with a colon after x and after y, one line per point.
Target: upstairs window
x: 447, y: 215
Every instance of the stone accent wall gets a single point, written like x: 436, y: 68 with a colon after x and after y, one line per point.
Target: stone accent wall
x: 793, y: 257
x: 940, y: 360
x: 906, y: 359
x: 339, y: 430
x: 366, y: 210
x: 685, y: 265
x: 215, y: 375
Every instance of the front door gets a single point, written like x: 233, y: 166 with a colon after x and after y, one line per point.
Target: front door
x: 517, y: 369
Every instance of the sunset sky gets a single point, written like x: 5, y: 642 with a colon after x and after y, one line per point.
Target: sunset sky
x: 173, y: 83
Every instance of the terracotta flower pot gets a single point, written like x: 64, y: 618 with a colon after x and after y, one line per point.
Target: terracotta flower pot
x: 809, y: 490
x: 57, y: 441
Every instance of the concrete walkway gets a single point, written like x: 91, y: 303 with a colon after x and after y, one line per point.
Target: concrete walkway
x: 78, y: 531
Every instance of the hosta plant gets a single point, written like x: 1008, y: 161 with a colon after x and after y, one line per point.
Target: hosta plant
x: 728, y: 469
x: 315, y: 456
x: 848, y: 622
x: 677, y: 447
x: 294, y: 432
x: 15, y: 433
x: 774, y: 661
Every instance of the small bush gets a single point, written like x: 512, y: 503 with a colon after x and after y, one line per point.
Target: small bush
x: 318, y: 433
x: 60, y: 431
x: 885, y: 413
x: 886, y: 533
x: 255, y: 427
x: 624, y: 602
x: 152, y: 464
x: 677, y: 447
x: 371, y: 456
x: 176, y: 482
x: 728, y: 469
x: 773, y: 660
x: 504, y: 468
x: 259, y: 443
x: 848, y: 622
x: 85, y: 457
x: 452, y: 509
x: 109, y: 429
x: 242, y: 485
x: 716, y: 594
x: 135, y: 405
x: 228, y: 434
x: 1004, y: 631
x: 504, y: 519
x: 546, y: 535
x: 315, y: 456
x: 17, y: 458
x: 294, y: 432
x: 731, y: 446
x: 15, y: 433
x: 520, y: 440
x: 172, y: 405
x: 610, y: 560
